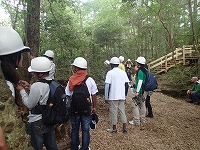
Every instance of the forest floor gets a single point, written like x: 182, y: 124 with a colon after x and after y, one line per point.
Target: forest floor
x: 175, y: 126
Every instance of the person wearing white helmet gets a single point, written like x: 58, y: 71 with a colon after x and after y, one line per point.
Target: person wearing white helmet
x: 128, y: 64
x: 107, y: 63
x: 38, y: 95
x: 138, y: 105
x: 11, y: 49
x: 121, y: 65
x: 80, y: 74
x: 115, y: 95
x: 50, y: 55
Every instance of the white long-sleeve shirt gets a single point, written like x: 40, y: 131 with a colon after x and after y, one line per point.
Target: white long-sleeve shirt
x: 39, y: 93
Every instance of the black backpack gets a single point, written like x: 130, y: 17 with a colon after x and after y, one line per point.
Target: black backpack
x: 58, y: 107
x: 81, y: 104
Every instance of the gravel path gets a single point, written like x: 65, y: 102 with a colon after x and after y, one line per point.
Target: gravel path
x: 175, y: 126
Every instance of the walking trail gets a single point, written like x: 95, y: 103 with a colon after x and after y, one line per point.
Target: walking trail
x: 175, y: 126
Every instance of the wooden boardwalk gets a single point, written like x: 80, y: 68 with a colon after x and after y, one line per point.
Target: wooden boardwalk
x: 179, y: 56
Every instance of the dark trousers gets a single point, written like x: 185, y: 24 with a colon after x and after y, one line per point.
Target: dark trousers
x: 148, y: 105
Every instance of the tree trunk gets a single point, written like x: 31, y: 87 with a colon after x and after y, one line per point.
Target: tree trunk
x: 10, y: 119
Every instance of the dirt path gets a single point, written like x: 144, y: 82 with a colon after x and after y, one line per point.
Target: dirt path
x: 175, y: 126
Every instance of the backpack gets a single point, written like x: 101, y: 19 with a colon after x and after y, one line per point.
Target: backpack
x: 81, y: 104
x: 57, y: 109
x: 150, y: 82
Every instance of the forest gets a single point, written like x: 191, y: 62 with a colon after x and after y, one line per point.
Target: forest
x: 98, y: 30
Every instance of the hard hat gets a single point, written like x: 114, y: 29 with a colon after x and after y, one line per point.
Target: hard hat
x: 128, y: 60
x: 141, y: 60
x: 80, y: 62
x: 114, y: 60
x: 106, y: 62
x: 49, y: 53
x: 121, y: 58
x: 40, y: 64
x: 10, y: 41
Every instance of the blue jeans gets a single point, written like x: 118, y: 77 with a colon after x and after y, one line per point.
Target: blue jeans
x: 41, y: 134
x: 84, y: 121
x: 194, y: 96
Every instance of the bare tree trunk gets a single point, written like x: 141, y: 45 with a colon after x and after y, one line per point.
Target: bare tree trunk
x: 33, y: 26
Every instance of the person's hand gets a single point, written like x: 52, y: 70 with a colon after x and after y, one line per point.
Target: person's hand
x: 24, y: 84
x: 188, y: 92
x: 136, y: 94
x: 93, y: 110
x: 19, y: 87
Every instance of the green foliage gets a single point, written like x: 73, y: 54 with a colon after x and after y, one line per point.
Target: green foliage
x: 178, y: 78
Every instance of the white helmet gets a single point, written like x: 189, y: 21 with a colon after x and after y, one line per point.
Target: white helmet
x: 141, y: 60
x: 10, y: 41
x: 121, y: 58
x: 80, y: 62
x: 49, y: 53
x: 106, y: 62
x: 40, y: 64
x: 114, y: 60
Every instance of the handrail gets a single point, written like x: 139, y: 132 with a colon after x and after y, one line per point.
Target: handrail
x: 179, y: 54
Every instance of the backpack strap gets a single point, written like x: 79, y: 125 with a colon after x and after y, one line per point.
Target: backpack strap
x: 143, y: 84
x: 87, y: 76
x: 38, y: 109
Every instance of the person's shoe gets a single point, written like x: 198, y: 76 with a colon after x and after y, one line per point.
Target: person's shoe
x: 189, y: 101
x: 196, y: 103
x: 149, y: 116
x: 132, y: 122
x: 112, y: 131
x: 124, y: 131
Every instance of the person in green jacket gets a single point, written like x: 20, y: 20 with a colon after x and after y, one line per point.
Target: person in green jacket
x: 194, y: 92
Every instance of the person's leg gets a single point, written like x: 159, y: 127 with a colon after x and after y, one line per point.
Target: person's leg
x: 113, y: 109
x: 85, y: 126
x: 194, y: 97
x: 50, y: 138
x: 37, y: 137
x: 136, y: 115
x: 122, y: 113
x: 148, y: 106
x: 75, y: 123
x: 142, y: 111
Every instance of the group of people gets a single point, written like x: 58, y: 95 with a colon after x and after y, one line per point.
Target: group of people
x: 116, y: 90
x: 116, y: 86
x: 43, y: 67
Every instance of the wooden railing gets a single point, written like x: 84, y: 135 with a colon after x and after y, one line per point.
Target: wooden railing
x: 176, y: 57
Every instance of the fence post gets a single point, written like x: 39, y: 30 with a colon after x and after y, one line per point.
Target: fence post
x: 183, y: 54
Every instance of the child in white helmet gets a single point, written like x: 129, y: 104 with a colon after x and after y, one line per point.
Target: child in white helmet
x: 38, y: 95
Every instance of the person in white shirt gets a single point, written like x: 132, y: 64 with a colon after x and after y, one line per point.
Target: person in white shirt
x: 115, y: 94
x: 50, y: 55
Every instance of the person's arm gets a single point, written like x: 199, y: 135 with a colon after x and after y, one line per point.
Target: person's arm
x: 3, y: 144
x: 107, y: 88
x: 30, y: 100
x: 94, y: 103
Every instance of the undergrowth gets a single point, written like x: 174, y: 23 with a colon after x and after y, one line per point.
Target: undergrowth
x: 179, y: 78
